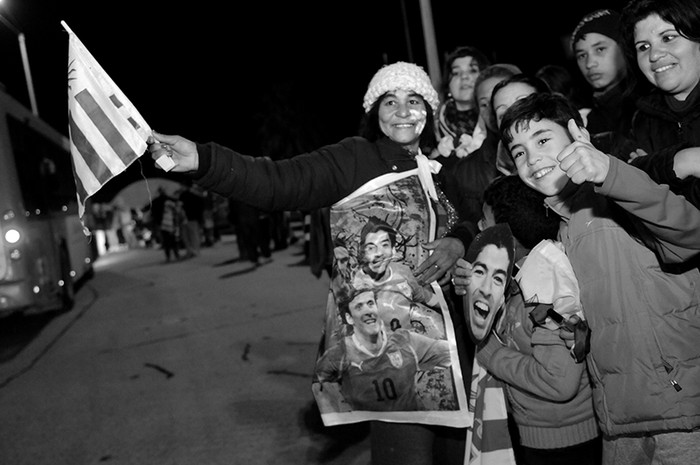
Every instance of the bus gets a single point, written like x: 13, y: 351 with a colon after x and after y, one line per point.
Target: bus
x: 44, y: 253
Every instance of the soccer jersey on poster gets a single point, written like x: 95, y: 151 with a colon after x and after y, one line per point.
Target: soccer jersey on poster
x: 389, y: 351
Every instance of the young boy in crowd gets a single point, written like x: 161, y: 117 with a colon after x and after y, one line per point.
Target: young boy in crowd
x: 549, y: 393
x: 597, y: 48
x: 630, y: 242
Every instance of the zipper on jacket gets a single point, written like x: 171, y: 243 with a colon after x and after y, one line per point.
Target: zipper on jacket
x: 668, y: 369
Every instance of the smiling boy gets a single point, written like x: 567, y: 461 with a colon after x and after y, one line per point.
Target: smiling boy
x: 629, y: 241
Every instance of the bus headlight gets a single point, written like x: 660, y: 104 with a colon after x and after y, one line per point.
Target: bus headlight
x: 12, y: 236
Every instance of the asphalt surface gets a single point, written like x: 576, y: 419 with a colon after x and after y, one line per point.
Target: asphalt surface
x: 202, y: 361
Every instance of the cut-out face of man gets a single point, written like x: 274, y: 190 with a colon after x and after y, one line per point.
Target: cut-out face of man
x: 378, y: 251
x: 491, y: 256
x: 378, y: 241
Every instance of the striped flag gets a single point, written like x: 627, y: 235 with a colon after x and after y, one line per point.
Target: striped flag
x: 107, y: 133
x: 488, y: 440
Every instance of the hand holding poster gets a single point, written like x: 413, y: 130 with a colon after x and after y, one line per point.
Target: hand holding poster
x: 389, y: 349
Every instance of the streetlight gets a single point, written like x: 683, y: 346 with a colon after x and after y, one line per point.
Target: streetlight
x: 25, y: 62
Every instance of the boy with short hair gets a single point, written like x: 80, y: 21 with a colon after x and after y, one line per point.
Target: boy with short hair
x: 549, y: 393
x: 630, y: 242
x: 597, y: 48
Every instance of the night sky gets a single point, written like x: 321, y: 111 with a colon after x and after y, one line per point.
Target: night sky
x: 206, y: 70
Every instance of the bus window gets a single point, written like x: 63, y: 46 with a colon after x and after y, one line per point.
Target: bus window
x: 44, y: 169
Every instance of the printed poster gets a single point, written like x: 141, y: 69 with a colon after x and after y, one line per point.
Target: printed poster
x: 388, y: 350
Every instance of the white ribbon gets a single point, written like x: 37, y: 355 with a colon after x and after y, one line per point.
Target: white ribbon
x: 426, y: 168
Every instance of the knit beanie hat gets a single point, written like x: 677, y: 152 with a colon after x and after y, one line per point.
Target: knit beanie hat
x: 606, y: 22
x: 404, y: 76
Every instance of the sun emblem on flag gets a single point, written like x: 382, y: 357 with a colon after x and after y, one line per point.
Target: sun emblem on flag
x: 71, y: 73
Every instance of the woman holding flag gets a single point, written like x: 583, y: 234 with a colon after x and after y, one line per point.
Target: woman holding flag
x: 383, y: 173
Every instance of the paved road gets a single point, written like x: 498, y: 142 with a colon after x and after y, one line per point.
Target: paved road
x: 197, y: 362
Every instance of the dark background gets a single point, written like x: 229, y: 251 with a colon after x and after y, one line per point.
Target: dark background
x: 210, y: 70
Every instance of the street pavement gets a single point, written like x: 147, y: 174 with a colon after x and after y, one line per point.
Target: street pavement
x: 205, y: 361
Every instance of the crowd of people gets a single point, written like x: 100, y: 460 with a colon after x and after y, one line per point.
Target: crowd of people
x: 508, y: 224
x: 180, y: 220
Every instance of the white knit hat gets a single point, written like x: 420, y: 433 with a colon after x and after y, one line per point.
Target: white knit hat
x: 404, y: 76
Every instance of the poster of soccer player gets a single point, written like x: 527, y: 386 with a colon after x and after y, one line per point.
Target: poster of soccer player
x: 389, y: 350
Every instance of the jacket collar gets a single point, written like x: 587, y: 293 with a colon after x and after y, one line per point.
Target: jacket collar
x: 568, y: 200
x: 390, y: 151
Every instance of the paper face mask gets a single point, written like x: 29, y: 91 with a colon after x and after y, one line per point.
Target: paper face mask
x: 491, y: 255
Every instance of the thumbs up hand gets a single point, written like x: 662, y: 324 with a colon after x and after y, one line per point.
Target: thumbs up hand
x: 580, y: 160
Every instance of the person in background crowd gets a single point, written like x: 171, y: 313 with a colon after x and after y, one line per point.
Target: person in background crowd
x: 631, y: 243
x: 192, y: 199
x: 459, y: 129
x: 102, y: 216
x: 142, y: 234
x: 124, y: 223
x: 399, y: 104
x: 663, y: 37
x: 155, y: 213
x: 597, y: 48
x: 561, y: 80
x: 209, y: 229
x: 252, y: 232
x: 504, y: 94
x: 305, y: 240
x: 475, y: 171
x: 171, y: 227
x: 285, y: 130
x: 113, y: 233
x: 515, y: 88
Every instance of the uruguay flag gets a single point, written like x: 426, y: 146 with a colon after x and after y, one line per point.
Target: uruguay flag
x: 107, y: 133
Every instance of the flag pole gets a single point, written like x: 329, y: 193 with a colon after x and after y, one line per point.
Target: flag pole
x: 65, y: 26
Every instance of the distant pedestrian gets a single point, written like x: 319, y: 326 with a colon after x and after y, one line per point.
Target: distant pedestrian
x: 171, y: 227
x: 252, y: 233
x: 192, y: 199
x: 155, y: 209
